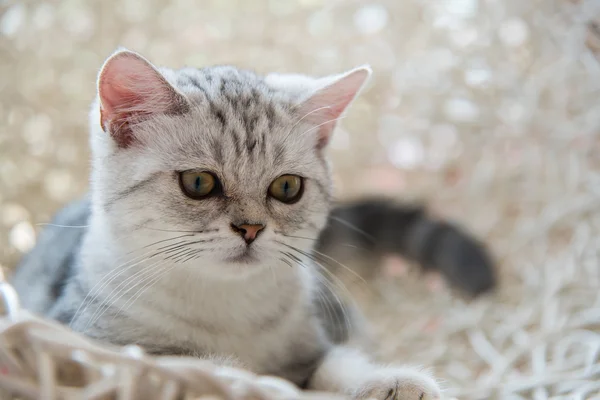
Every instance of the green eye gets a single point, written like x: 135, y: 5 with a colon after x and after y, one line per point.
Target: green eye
x: 287, y: 188
x: 198, y: 184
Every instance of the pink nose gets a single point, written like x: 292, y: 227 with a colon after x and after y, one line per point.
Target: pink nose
x: 248, y: 231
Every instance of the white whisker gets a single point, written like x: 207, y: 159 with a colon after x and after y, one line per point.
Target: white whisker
x: 61, y: 226
x: 151, y: 282
x: 117, y: 292
x: 112, y: 275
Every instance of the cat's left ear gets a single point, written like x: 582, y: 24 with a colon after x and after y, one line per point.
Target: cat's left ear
x: 327, y: 105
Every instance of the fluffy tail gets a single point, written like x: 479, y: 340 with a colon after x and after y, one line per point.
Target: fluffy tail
x: 368, y: 229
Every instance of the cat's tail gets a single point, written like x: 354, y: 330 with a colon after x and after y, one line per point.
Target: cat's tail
x: 362, y: 232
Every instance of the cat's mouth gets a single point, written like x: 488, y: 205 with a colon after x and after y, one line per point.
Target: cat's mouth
x: 245, y: 256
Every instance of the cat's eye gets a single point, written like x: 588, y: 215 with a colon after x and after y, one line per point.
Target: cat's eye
x: 198, y: 184
x: 287, y: 188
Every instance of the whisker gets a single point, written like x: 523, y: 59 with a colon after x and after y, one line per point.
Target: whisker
x: 108, y: 278
x: 182, y: 255
x: 353, y: 246
x: 326, y: 302
x: 179, y: 252
x: 321, y: 124
x: 300, y: 120
x: 326, y: 284
x: 331, y: 274
x: 322, y: 279
x: 293, y: 257
x: 335, y: 281
x: 117, y: 292
x: 142, y: 227
x: 179, y: 230
x: 353, y: 227
x: 342, y: 265
x: 287, y: 262
x: 176, y: 246
x: 193, y: 256
x: 61, y: 226
x: 297, y: 237
x: 157, y: 242
x: 165, y: 240
x: 176, y: 252
x: 188, y: 243
x: 313, y: 257
x: 151, y: 282
x: 309, y: 113
x: 329, y: 302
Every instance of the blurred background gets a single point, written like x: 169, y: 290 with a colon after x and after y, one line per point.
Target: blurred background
x: 486, y: 110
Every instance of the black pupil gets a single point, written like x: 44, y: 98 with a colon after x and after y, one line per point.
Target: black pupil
x: 286, y: 187
x: 197, y: 183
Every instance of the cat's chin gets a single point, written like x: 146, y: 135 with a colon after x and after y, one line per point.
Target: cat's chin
x: 247, y: 256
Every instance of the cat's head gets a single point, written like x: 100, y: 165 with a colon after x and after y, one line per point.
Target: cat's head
x: 214, y: 166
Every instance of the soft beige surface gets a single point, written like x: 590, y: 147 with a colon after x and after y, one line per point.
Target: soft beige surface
x: 487, y: 109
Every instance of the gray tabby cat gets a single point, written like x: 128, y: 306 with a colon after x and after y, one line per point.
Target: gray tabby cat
x: 209, y: 190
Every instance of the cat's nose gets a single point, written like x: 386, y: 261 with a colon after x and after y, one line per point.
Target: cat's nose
x: 248, y: 231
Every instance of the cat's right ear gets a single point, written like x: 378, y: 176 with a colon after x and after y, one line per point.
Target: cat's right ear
x: 131, y: 90
x: 327, y: 105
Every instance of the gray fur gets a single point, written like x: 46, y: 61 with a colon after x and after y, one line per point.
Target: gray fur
x: 155, y: 268
x: 44, y: 271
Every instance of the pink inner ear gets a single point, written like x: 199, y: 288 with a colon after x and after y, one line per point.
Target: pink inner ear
x: 118, y: 95
x: 326, y: 106
x: 130, y: 88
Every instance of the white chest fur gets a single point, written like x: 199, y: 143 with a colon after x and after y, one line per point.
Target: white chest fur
x: 257, y: 318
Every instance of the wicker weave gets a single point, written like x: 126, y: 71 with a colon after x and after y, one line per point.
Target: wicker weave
x: 40, y: 359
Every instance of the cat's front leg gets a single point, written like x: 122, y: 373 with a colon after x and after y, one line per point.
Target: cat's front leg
x: 348, y: 371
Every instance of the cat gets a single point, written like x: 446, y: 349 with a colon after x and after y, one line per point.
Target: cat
x: 208, y: 224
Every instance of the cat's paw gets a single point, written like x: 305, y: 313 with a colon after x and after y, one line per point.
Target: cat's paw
x: 399, y: 384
